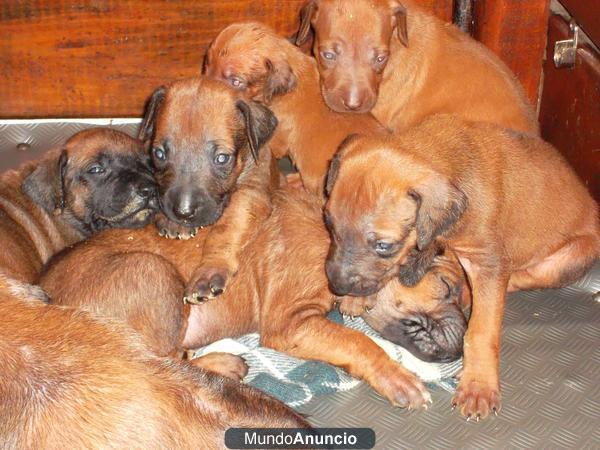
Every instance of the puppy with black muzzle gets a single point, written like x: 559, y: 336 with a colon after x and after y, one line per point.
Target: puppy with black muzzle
x: 99, y: 179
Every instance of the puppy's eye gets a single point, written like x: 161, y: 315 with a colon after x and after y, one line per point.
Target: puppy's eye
x: 380, y: 59
x: 329, y: 56
x: 447, y: 288
x: 383, y: 248
x: 222, y: 158
x: 237, y: 83
x: 159, y: 154
x: 96, y: 169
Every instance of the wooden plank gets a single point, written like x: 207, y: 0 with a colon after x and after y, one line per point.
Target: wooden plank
x: 570, y: 107
x: 516, y: 31
x: 102, y: 58
x: 587, y: 15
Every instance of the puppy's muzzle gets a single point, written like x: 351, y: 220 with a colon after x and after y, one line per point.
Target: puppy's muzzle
x: 345, y: 281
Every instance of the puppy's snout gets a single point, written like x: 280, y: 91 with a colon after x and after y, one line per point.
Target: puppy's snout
x: 344, y: 281
x: 353, y: 99
x: 185, y: 207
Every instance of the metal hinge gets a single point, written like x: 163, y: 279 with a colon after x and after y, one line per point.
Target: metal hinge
x: 565, y: 52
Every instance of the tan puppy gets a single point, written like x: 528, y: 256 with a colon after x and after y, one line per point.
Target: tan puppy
x: 252, y: 58
x: 403, y: 64
x: 207, y: 149
x: 280, y: 291
x: 506, y: 203
x: 100, y: 178
x: 70, y: 380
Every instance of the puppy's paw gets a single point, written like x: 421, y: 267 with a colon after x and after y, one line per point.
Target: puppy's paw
x: 476, y: 399
x: 171, y: 230
x: 207, y: 283
x: 226, y: 364
x: 400, y: 387
x: 355, y: 306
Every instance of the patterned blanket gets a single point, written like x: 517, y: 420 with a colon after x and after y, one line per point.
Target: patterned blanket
x: 296, y: 382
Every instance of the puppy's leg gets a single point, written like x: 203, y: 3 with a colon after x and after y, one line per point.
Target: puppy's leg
x: 355, y: 306
x: 478, y: 393
x: 226, y: 364
x: 308, y: 334
x: 169, y: 229
x: 248, y: 208
x: 563, y: 267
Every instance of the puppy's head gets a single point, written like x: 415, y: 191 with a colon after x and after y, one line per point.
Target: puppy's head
x: 385, y: 209
x: 352, y: 47
x: 203, y: 139
x: 100, y: 178
x: 426, y: 319
x: 251, y: 58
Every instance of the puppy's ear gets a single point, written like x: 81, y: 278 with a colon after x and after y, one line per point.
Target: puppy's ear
x: 439, y: 206
x: 46, y: 184
x: 260, y: 124
x: 307, y: 13
x: 334, y: 164
x: 418, y: 263
x: 399, y: 14
x: 280, y: 80
x: 152, y: 108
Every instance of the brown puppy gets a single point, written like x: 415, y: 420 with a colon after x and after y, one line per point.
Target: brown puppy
x: 506, y: 203
x: 205, y: 148
x: 70, y: 380
x: 280, y: 290
x: 403, y: 64
x: 252, y: 58
x: 100, y: 178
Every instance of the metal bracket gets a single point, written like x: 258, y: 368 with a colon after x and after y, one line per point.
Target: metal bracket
x: 565, y: 52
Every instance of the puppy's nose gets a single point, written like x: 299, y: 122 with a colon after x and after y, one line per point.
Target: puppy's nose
x: 185, y: 208
x: 352, y: 100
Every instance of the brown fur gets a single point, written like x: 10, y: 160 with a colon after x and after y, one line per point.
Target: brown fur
x: 507, y: 204
x: 48, y: 205
x: 191, y: 122
x: 252, y: 58
x: 70, y: 380
x: 280, y: 290
x: 427, y: 66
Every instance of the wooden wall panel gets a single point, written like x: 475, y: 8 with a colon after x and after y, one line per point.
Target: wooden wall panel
x: 516, y: 31
x: 102, y: 58
x: 570, y: 107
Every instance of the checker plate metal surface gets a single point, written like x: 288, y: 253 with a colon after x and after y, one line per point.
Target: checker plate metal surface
x: 550, y: 372
x: 550, y: 366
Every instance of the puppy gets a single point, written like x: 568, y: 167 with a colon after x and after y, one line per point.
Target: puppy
x: 100, y: 178
x: 506, y: 203
x: 251, y: 58
x: 205, y: 148
x: 68, y: 379
x: 210, y: 165
x: 403, y: 64
x: 281, y: 291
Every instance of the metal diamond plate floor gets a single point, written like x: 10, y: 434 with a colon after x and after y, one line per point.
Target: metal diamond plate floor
x: 550, y: 371
x: 550, y: 365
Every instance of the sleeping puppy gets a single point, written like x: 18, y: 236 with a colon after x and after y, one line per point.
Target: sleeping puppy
x: 100, y: 178
x: 71, y: 380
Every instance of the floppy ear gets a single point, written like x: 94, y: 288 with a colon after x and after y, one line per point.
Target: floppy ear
x: 307, y: 13
x: 152, y: 108
x: 399, y: 21
x: 334, y: 164
x: 260, y: 124
x: 439, y: 206
x: 46, y: 184
x: 418, y: 263
x: 280, y: 80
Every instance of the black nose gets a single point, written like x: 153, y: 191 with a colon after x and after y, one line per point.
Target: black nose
x: 184, y: 211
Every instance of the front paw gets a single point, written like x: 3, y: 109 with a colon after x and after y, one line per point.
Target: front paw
x: 207, y: 283
x: 171, y: 230
x: 476, y: 399
x: 400, y: 387
x: 225, y: 364
x: 355, y: 306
